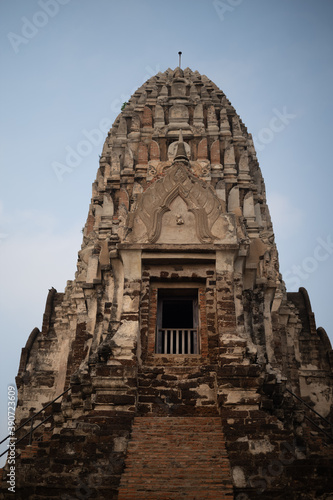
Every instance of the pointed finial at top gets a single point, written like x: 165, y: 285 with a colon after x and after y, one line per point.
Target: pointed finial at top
x: 180, y: 59
x: 181, y: 151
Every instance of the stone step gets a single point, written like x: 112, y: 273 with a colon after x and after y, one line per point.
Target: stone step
x: 201, y: 494
x: 173, y: 421
x: 176, y: 458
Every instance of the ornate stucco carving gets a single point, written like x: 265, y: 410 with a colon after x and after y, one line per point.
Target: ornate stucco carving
x: 150, y: 214
x: 197, y: 195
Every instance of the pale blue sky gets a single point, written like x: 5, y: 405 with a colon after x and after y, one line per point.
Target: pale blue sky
x: 85, y: 57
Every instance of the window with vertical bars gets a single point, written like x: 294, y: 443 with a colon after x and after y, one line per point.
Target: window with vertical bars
x: 177, y: 321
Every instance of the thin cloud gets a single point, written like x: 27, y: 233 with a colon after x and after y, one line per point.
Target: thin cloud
x: 36, y: 257
x: 287, y: 218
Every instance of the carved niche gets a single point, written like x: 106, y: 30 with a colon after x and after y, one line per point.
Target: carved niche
x: 192, y: 200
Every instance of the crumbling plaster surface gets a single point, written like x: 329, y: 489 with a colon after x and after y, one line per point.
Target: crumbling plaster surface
x: 179, y: 200
x: 212, y: 198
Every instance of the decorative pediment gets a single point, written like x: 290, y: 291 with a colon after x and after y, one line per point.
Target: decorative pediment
x: 199, y: 198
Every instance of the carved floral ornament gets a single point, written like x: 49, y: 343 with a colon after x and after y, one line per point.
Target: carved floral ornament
x: 197, y: 195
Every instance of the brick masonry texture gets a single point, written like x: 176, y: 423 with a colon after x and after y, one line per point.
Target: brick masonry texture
x: 176, y: 458
x: 178, y: 204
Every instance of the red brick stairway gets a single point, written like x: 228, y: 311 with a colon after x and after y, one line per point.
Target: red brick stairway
x: 173, y: 458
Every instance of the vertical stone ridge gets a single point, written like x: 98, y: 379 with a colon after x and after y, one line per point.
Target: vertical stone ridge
x: 194, y: 228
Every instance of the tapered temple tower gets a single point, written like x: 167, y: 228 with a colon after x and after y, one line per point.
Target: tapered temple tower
x: 187, y: 362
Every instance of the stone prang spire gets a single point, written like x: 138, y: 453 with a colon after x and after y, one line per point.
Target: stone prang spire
x: 187, y: 362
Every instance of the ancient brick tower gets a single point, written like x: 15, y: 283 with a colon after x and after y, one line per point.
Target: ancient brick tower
x: 177, y: 337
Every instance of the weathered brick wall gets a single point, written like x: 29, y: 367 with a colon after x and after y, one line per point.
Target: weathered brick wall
x: 40, y: 376
x: 85, y: 460
x: 158, y: 218
x: 273, y: 451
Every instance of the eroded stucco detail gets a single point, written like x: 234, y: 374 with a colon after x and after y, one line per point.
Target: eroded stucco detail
x: 198, y: 197
x: 178, y: 202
